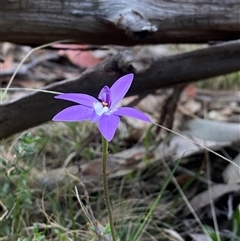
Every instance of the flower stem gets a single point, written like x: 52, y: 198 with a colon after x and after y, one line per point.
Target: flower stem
x: 105, y: 186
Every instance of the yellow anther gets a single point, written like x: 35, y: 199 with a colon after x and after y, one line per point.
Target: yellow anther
x: 105, y: 104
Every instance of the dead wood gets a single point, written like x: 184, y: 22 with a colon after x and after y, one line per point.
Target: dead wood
x: 119, y: 22
x: 38, y: 108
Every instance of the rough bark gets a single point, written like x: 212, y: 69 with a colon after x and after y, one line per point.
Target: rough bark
x: 121, y: 22
x: 38, y: 108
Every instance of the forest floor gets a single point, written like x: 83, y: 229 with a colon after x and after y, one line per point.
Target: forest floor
x: 44, y: 195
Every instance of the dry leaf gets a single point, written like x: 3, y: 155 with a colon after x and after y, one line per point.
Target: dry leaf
x: 190, y: 91
x: 213, y: 130
x: 173, y: 234
x: 192, y: 106
x: 179, y: 147
x: 94, y: 168
x: 200, y: 237
x: 8, y: 63
x: 84, y: 59
x: 202, y: 199
x: 231, y: 174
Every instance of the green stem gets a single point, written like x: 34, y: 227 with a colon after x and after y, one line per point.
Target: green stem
x: 105, y: 186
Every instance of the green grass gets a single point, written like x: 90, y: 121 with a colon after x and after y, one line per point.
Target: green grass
x: 41, y: 210
x: 224, y: 82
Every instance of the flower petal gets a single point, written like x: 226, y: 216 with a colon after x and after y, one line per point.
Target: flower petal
x: 82, y: 99
x: 99, y: 110
x: 108, y: 126
x: 131, y: 112
x: 120, y: 88
x: 74, y: 113
x: 105, y: 95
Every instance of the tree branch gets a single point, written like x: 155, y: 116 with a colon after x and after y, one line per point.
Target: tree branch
x: 120, y: 22
x: 38, y: 108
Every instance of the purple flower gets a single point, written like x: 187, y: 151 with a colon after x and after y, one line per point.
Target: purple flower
x: 105, y: 111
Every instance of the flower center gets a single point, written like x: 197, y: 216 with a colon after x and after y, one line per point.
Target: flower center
x: 104, y: 104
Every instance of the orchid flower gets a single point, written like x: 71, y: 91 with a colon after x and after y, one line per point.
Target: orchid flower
x: 104, y: 111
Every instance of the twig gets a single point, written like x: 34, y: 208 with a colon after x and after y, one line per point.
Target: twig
x: 193, y: 174
x: 87, y: 48
x: 169, y: 108
x: 25, y: 67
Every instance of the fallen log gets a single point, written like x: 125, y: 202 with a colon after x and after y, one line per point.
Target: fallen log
x: 120, y: 22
